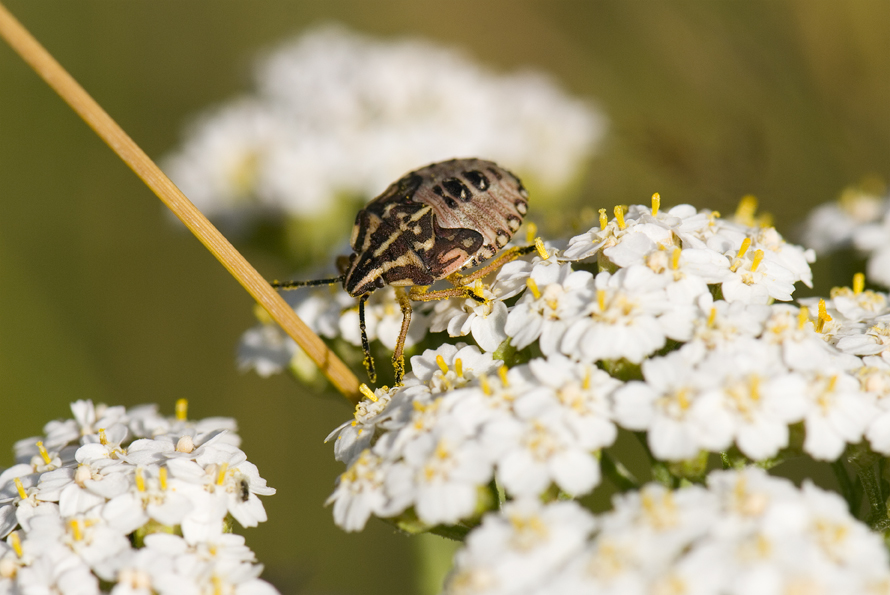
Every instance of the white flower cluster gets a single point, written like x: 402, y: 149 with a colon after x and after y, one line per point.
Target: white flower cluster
x: 130, y: 502
x: 681, y: 315
x: 746, y: 533
x: 462, y: 419
x: 858, y: 219
x: 342, y: 114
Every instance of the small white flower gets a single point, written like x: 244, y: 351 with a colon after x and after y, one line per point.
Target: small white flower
x: 485, y: 321
x: 556, y: 296
x: 520, y: 548
x: 833, y: 225
x: 360, y: 493
x: 441, y: 474
x: 838, y: 414
x: 675, y: 409
x: 631, y: 317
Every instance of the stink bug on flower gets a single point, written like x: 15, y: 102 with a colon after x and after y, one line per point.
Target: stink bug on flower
x: 430, y: 225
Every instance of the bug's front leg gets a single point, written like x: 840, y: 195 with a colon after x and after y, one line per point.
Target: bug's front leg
x: 512, y: 254
x: 420, y: 294
x: 398, y: 355
x: 366, y: 348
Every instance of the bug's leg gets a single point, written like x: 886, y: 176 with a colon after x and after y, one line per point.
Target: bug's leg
x: 366, y: 348
x: 398, y: 355
x: 315, y: 282
x: 508, y: 256
x: 421, y: 295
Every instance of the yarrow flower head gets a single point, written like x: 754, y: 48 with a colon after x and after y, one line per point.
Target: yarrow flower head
x: 859, y: 219
x: 94, y: 510
x: 744, y: 533
x: 340, y: 114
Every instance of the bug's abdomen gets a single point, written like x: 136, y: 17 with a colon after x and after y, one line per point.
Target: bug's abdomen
x: 474, y: 194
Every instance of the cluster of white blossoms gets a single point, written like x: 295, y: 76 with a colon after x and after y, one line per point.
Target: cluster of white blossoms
x: 340, y: 114
x: 676, y: 325
x: 746, y: 533
x: 859, y: 219
x: 129, y: 502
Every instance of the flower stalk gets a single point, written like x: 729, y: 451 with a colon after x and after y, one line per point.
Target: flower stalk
x: 36, y: 56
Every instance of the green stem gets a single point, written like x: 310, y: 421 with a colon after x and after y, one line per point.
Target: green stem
x: 871, y: 485
x: 452, y: 532
x: 848, y: 490
x: 660, y: 470
x: 618, y: 473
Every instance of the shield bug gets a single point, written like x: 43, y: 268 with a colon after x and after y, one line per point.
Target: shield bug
x: 430, y: 225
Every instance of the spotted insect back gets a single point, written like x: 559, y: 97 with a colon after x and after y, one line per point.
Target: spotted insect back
x: 478, y: 195
x: 434, y: 222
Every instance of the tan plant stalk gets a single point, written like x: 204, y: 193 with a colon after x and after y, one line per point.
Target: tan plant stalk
x: 86, y: 107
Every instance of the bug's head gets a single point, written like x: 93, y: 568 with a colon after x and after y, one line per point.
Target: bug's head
x: 359, y: 280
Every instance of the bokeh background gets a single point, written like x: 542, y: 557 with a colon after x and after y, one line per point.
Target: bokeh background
x: 103, y: 297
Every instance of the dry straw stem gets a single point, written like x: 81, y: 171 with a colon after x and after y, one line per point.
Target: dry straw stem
x: 80, y: 101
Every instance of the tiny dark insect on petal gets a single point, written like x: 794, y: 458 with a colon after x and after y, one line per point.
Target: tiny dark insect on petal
x: 477, y: 179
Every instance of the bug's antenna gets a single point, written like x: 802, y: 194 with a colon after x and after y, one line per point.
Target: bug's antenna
x: 315, y: 282
x: 366, y: 348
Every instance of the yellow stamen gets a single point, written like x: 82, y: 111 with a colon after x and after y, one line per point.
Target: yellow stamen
x: 758, y: 258
x: 675, y: 259
x: 478, y: 288
x: 765, y: 220
x: 16, y: 543
x: 542, y: 251
x: 823, y: 317
x: 656, y: 203
x: 162, y: 478
x: 140, y: 479
x: 754, y: 387
x: 182, y: 409
x: 21, y: 489
x: 746, y: 243
x: 585, y: 383
x: 221, y: 476
x: 43, y: 453
x: 604, y: 220
x: 459, y: 368
x: 217, y: 585
x: 712, y: 317
x: 803, y: 317
x: 533, y: 287
x: 619, y: 216
x: 502, y: 372
x: 483, y: 382
x: 831, y: 384
x: 440, y: 361
x: 76, y: 529
x: 858, y: 283
x: 103, y: 438
x: 601, y: 299
x: 744, y: 214
x: 531, y: 232
x: 369, y: 394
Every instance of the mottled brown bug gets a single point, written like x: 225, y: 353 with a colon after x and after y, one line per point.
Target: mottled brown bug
x: 430, y: 225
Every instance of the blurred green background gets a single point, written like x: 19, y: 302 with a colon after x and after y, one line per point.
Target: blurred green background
x: 102, y: 297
